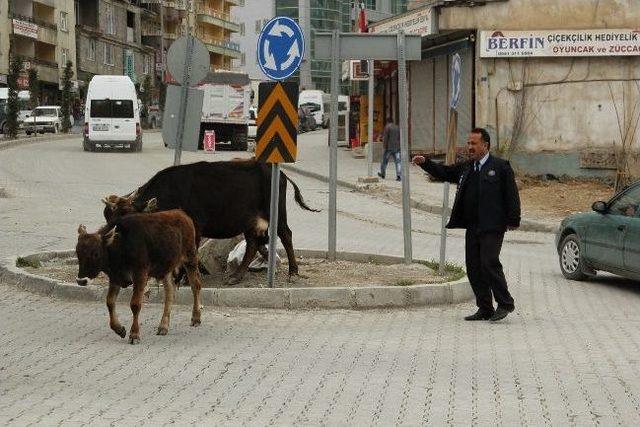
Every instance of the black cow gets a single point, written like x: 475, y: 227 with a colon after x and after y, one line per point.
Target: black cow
x: 224, y: 199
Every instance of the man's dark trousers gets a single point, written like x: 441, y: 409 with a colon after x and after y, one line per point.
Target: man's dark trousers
x: 482, y: 250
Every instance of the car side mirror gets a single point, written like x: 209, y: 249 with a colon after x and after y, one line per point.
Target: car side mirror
x: 600, y: 207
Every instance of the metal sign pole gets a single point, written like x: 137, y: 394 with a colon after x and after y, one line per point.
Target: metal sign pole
x: 370, y: 95
x: 183, y: 101
x: 273, y: 221
x: 333, y: 142
x: 404, y: 147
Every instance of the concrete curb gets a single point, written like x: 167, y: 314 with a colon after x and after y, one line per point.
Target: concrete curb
x: 525, y: 224
x: 35, y: 139
x: 281, y: 298
x: 53, y: 137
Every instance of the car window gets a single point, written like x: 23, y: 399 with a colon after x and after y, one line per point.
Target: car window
x: 100, y: 108
x: 628, y: 204
x: 45, y: 112
x: 122, y: 109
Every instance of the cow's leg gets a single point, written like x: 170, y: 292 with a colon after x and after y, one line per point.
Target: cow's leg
x: 249, y: 254
x: 114, y: 323
x: 139, y: 282
x: 196, y: 285
x: 284, y: 233
x: 163, y: 329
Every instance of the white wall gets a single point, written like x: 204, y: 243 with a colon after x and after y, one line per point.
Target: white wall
x: 248, y: 14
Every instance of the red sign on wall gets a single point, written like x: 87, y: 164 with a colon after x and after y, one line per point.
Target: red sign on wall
x: 209, y: 142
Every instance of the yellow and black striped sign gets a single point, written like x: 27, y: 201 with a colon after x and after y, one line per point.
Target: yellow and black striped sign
x: 276, y: 137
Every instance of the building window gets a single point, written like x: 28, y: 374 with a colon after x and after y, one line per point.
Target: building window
x: 242, y: 28
x: 64, y: 54
x: 92, y: 50
x: 63, y: 21
x: 108, y: 54
x: 243, y: 60
x: 109, y: 14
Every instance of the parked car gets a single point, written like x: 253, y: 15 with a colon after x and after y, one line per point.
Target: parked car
x: 46, y: 118
x: 306, y: 120
x: 607, y: 239
x: 24, y: 111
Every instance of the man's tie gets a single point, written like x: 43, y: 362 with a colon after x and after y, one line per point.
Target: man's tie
x: 476, y: 166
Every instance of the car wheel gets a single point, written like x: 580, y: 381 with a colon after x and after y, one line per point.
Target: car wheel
x: 5, y: 128
x: 571, y: 258
x: 56, y: 128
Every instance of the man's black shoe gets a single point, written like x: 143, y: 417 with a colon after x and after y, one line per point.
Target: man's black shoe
x: 500, y: 313
x: 380, y: 175
x: 479, y: 315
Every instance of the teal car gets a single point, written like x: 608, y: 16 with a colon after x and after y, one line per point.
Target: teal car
x: 607, y: 239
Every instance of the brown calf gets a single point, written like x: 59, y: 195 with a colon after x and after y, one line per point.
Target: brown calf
x: 137, y: 247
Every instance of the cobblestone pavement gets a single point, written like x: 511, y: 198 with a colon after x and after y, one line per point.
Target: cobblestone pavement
x: 569, y: 355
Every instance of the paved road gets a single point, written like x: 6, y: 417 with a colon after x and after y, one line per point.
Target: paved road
x: 570, y: 355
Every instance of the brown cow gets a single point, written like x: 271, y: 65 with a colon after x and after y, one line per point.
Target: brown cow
x: 137, y: 247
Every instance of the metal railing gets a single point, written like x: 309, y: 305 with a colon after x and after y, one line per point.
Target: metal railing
x: 219, y: 42
x: 38, y: 61
x: 36, y: 21
x: 205, y: 10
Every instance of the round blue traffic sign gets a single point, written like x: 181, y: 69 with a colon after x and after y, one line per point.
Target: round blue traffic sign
x: 280, y: 48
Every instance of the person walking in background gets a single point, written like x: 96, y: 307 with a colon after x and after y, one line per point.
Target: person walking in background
x: 487, y: 204
x: 391, y: 145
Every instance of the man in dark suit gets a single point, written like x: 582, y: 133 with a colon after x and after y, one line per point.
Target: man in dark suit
x: 487, y: 204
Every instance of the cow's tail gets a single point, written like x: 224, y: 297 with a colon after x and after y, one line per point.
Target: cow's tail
x: 298, y: 196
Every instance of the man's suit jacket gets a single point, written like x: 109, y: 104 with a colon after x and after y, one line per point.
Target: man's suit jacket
x: 499, y: 201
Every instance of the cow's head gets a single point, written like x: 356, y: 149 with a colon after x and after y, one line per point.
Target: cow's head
x: 91, y: 250
x: 116, y: 207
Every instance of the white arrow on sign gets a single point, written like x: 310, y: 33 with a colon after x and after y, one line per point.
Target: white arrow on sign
x: 278, y: 29
x: 268, y: 56
x: 294, y: 52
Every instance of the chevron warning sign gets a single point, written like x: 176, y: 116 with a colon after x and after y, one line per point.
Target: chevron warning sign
x: 276, y: 138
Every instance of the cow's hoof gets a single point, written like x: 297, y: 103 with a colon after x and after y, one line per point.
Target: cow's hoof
x: 293, y: 277
x: 122, y: 331
x: 162, y: 330
x: 195, y: 322
x: 134, y: 340
x: 231, y: 280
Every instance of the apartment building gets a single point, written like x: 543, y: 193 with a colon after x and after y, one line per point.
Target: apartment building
x: 109, y: 40
x: 41, y: 32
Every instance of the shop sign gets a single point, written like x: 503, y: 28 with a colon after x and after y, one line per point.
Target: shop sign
x: 23, y: 28
x: 509, y: 44
x: 419, y: 22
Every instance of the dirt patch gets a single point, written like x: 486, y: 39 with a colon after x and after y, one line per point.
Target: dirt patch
x: 544, y: 198
x: 314, y: 272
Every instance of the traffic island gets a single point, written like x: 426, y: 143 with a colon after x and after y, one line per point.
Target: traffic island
x: 353, y: 281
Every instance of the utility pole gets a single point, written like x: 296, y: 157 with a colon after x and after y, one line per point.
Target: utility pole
x: 304, y: 20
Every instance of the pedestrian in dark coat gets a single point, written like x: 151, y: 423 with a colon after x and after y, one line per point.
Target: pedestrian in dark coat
x: 487, y: 204
x: 391, y: 145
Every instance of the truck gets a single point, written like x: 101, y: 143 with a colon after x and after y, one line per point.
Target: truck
x: 225, y: 109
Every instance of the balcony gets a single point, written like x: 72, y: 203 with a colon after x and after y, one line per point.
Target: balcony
x: 236, y: 2
x: 171, y: 35
x: 215, y: 17
x: 221, y: 46
x: 47, y: 70
x: 150, y: 30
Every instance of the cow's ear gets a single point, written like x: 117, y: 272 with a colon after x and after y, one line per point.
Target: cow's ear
x: 110, y: 236
x: 151, y: 205
x: 107, y: 201
x: 82, y: 230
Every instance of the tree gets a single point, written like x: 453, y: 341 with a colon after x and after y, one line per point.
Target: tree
x: 13, y: 107
x: 65, y: 109
x: 34, y: 87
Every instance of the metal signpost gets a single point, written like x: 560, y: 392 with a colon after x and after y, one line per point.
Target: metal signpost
x: 280, y: 52
x: 338, y: 47
x: 188, y: 63
x: 452, y: 133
